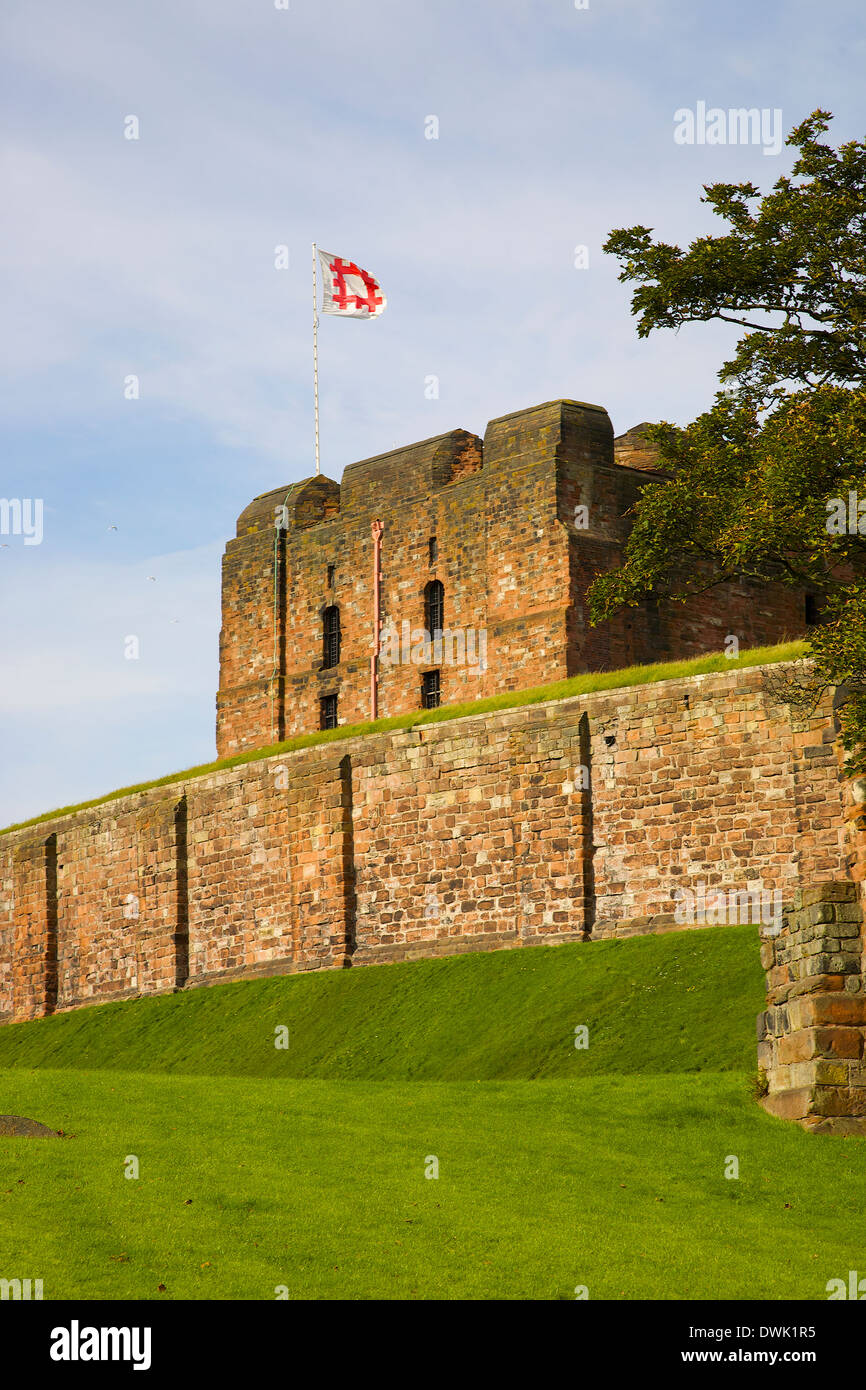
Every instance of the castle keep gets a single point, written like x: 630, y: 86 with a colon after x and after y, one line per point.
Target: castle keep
x: 573, y: 819
x: 493, y: 541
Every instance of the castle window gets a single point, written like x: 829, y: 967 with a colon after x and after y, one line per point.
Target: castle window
x: 331, y: 569
x: 433, y: 548
x: 328, y: 712
x: 331, y: 637
x: 434, y: 607
x: 811, y: 614
x: 430, y: 695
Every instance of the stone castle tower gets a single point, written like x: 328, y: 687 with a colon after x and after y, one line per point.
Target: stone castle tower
x: 493, y: 542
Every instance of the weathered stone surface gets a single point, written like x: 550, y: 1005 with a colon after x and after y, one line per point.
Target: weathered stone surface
x: 790, y: 1105
x: 843, y: 1126
x: 634, y: 450
x: 812, y: 1050
x: 470, y: 834
x: 523, y: 521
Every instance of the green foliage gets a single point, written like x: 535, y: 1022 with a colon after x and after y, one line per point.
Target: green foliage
x: 754, y: 486
x: 760, y: 1084
x: 749, y: 500
x: 792, y: 271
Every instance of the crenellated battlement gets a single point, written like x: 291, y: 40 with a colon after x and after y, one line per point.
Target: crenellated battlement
x: 512, y: 529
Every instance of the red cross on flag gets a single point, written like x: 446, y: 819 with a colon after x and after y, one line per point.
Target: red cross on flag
x: 349, y: 291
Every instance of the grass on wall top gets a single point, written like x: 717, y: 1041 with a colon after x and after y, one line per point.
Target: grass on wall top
x: 585, y: 684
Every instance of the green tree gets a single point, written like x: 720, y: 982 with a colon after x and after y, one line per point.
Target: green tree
x: 770, y: 483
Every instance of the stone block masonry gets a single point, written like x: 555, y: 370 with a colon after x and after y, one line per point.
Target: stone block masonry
x: 575, y: 819
x: 811, y: 1037
x: 512, y: 530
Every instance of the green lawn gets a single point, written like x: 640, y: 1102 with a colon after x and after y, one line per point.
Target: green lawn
x: 558, y: 1167
x: 680, y: 1002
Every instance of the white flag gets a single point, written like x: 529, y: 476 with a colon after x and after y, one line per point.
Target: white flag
x: 350, y: 291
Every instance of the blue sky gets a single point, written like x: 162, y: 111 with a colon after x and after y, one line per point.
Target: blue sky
x: 262, y: 127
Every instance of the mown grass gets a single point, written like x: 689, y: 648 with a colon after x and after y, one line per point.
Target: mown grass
x: 305, y: 1170
x: 558, y: 690
x: 247, y: 1186
x: 652, y: 1004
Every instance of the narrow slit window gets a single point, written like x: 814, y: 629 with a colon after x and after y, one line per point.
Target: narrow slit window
x: 433, y: 548
x: 434, y: 607
x: 331, y: 637
x: 430, y: 690
x: 328, y: 712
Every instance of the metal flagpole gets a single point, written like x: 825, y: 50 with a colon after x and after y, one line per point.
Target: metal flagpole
x: 316, y: 354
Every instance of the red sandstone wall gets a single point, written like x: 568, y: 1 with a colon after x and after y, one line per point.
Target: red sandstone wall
x: 455, y: 836
x: 454, y: 515
x: 33, y: 973
x: 267, y: 869
x: 513, y: 557
x: 7, y: 925
x: 472, y: 841
x: 703, y: 780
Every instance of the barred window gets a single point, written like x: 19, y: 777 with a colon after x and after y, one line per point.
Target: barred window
x: 328, y: 712
x: 331, y: 636
x: 430, y: 695
x: 434, y: 607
